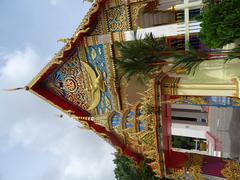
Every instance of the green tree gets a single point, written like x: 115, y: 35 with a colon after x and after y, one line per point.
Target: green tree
x: 127, y: 170
x: 220, y: 23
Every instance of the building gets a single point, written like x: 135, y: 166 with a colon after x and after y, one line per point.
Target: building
x: 81, y: 81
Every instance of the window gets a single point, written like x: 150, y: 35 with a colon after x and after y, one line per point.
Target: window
x: 116, y: 118
x: 129, y: 119
x: 184, y: 118
x: 189, y: 143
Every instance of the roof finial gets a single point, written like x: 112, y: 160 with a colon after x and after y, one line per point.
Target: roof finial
x: 26, y: 88
x: 91, y: 1
x: 82, y: 127
x: 64, y: 40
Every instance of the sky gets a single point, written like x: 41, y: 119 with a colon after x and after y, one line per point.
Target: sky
x: 35, y: 144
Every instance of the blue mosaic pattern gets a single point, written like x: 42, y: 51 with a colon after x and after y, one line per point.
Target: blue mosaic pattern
x: 217, y: 101
x: 141, y: 124
x: 129, y: 119
x: 117, y: 19
x: 95, y: 56
x: 221, y: 101
x: 116, y: 119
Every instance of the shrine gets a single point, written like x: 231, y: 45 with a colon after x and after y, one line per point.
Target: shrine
x: 140, y: 120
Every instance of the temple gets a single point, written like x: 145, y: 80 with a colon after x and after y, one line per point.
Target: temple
x: 145, y: 121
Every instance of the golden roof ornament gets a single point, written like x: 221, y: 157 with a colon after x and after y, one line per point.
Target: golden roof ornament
x: 64, y: 40
x: 26, y: 88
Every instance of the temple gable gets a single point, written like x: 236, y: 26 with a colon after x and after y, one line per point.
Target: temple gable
x: 86, y: 81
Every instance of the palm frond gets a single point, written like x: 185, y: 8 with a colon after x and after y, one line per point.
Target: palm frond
x: 139, y: 57
x: 235, y: 53
x: 190, y: 60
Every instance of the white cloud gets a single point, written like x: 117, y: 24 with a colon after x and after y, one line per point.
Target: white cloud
x: 29, y: 122
x: 20, y: 65
x: 54, y: 2
x: 96, y: 170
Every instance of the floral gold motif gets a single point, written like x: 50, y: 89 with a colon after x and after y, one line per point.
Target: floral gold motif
x: 231, y: 170
x: 118, y: 19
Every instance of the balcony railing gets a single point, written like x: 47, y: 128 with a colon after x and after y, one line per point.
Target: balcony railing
x: 194, y: 27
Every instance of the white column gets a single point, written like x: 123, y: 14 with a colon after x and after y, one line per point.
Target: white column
x: 186, y: 6
x: 186, y: 22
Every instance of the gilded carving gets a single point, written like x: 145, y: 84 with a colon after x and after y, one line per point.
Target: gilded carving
x: 112, y: 76
x: 97, y: 59
x: 102, y: 121
x: 231, y: 170
x: 144, y: 141
x: 117, y: 36
x: 71, y: 81
x: 170, y: 85
x: 148, y: 138
x: 207, y: 100
x: 150, y: 154
x: 86, y: 19
x: 135, y: 9
x: 191, y: 169
x: 101, y: 24
x: 118, y: 19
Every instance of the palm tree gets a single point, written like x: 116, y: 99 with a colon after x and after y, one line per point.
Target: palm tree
x: 142, y: 57
x: 192, y: 58
x: 145, y: 57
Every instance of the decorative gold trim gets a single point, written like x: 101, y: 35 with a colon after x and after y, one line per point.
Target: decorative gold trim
x: 86, y: 19
x: 103, y: 120
x: 136, y: 117
x: 134, y: 11
x: 236, y: 82
x: 109, y: 119
x: 112, y: 76
x: 123, y: 93
x: 231, y: 170
x: 125, y: 113
x: 91, y: 40
x: 83, y: 122
x: 117, y: 36
x: 192, y: 168
x: 170, y: 85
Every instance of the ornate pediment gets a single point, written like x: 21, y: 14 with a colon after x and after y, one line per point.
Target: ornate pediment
x: 72, y: 81
x: 84, y: 79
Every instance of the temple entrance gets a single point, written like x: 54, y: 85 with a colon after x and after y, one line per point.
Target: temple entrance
x: 208, y: 130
